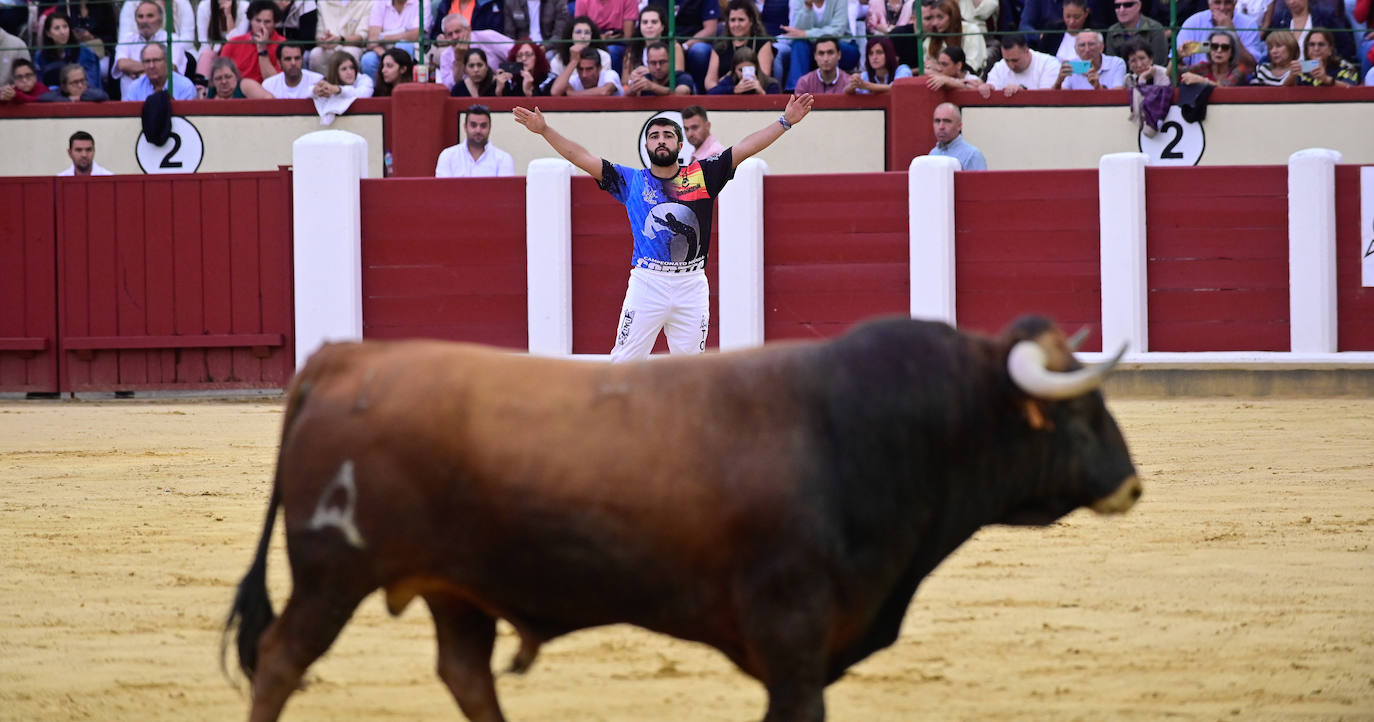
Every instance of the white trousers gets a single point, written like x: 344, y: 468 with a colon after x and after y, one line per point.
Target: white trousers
x: 677, y: 303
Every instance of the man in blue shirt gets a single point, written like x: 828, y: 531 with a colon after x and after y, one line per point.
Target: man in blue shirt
x: 669, y: 207
x: 154, y: 77
x: 949, y: 126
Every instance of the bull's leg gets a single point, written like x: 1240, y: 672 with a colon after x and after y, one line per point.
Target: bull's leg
x: 795, y: 695
x: 307, y: 626
x: 466, y: 636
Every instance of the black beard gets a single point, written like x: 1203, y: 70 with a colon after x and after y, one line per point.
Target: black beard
x: 663, y: 158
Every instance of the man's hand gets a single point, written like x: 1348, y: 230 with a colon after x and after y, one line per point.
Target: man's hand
x: 797, y: 107
x: 6, y: 93
x: 1013, y: 89
x: 1093, y: 79
x: 261, y: 37
x: 531, y: 119
x: 791, y: 32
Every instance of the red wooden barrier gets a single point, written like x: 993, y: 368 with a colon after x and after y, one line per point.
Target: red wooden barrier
x: 1027, y: 242
x: 445, y: 258
x: 1354, y: 303
x: 178, y: 283
x: 1217, y: 241
x: 28, y: 286
x: 835, y: 252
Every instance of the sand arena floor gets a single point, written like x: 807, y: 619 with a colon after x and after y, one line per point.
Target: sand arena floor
x: 1241, y: 587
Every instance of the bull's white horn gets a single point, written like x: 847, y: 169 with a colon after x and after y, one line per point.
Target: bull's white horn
x: 1026, y: 364
x: 1077, y: 338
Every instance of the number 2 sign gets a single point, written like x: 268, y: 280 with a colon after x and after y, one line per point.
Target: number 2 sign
x: 1178, y: 142
x: 182, y: 153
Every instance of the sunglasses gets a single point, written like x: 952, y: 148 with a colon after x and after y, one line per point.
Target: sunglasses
x: 1221, y: 46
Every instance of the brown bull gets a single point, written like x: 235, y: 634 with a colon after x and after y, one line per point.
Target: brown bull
x: 780, y: 505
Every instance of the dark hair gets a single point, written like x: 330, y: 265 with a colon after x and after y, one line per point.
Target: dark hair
x: 78, y: 135
x: 257, y: 6
x: 565, y: 46
x: 488, y: 85
x: 816, y: 44
x: 1135, y: 45
x: 957, y: 55
x: 1080, y: 3
x: 218, y: 32
x: 756, y: 28
x: 23, y: 62
x: 693, y: 111
x: 281, y: 48
x: 51, y: 52
x: 401, y: 58
x: 668, y: 122
x: 590, y: 53
x: 336, y: 62
x: 891, y: 61
x: 634, y: 51
x: 1015, y: 40
x: 479, y: 109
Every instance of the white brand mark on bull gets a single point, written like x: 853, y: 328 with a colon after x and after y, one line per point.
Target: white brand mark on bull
x: 340, y: 517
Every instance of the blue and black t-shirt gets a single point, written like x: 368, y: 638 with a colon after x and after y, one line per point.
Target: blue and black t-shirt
x: 670, y: 219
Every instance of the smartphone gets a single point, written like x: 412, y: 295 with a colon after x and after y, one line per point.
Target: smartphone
x: 513, y: 68
x: 747, y: 71
x: 1080, y: 67
x: 1193, y: 47
x: 1310, y: 65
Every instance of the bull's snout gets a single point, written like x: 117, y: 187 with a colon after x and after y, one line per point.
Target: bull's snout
x: 1122, y: 499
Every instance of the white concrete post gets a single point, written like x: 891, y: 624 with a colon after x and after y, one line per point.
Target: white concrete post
x: 741, y: 257
x: 1312, y: 250
x: 548, y: 249
x: 327, y: 225
x: 930, y: 199
x: 1121, y: 213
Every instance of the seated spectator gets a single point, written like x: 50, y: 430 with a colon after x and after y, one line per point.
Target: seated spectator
x: 540, y: 22
x: 1140, y: 64
x: 1219, y: 14
x: 584, y: 33
x: 827, y: 78
x: 226, y: 83
x: 94, y: 24
x: 478, y: 157
x: 1104, y: 71
x: 649, y: 30
x: 951, y: 72
x: 74, y: 88
x: 614, y: 20
x: 745, y: 76
x: 949, y: 139
x: 652, y: 77
x: 1283, y: 67
x: 478, y: 80
x: 884, y: 17
x: 59, y: 50
x: 481, y: 15
x: 1331, y: 69
x: 11, y: 49
x: 255, y: 52
x: 81, y: 149
x: 1302, y: 16
x: 699, y: 22
x: 883, y: 68
x: 297, y: 20
x: 534, y: 77
x: 342, y: 77
x: 1020, y: 68
x: 1132, y: 25
x: 978, y: 12
x: 945, y: 18
x: 397, y: 67
x: 587, y: 77
x: 1222, y: 68
x: 294, y: 81
x: 216, y: 22
x: 183, y: 19
x: 340, y: 25
x: 1062, y: 39
x: 744, y: 28
x: 25, y: 87
x: 392, y: 24
x: 813, y: 20
x: 127, y: 65
x: 155, y: 78
x: 457, y: 36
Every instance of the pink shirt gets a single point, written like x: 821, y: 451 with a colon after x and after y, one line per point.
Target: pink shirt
x: 384, y: 16
x: 709, y: 148
x: 608, y: 14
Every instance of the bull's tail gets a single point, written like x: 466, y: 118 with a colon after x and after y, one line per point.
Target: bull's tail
x: 252, y: 608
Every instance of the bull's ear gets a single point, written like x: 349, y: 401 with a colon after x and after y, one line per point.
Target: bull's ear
x: 1037, y: 414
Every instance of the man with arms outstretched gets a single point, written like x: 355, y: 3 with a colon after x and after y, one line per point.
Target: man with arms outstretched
x: 669, y: 208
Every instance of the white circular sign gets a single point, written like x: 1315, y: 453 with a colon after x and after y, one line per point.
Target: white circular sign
x: 684, y: 155
x: 182, y: 153
x: 1178, y: 142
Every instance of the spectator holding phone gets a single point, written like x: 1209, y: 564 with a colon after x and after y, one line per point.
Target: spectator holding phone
x: 478, y: 80
x: 1221, y: 68
x: 1323, y: 66
x: 1092, y: 70
x: 525, y: 72
x: 1283, y: 67
x: 744, y: 28
x: 746, y: 77
x: 1302, y: 16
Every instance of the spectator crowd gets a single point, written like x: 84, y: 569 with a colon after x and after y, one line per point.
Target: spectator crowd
x: 336, y: 50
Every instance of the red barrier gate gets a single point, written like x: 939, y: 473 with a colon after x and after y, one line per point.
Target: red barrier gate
x: 28, y: 286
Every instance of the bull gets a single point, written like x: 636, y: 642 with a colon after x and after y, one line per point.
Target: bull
x: 779, y: 504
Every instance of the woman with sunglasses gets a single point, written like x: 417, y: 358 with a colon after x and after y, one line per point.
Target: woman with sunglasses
x: 1222, y: 66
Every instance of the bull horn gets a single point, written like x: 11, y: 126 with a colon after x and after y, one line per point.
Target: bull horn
x: 1026, y: 364
x: 1078, y: 338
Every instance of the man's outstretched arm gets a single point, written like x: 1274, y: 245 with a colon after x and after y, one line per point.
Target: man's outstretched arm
x: 576, y: 154
x: 797, y: 108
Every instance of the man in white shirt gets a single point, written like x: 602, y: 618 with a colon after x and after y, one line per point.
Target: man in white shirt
x: 1104, y: 71
x: 1020, y: 69
x: 585, y: 76
x: 477, y: 158
x: 698, y: 131
x: 81, y: 149
x: 155, y: 77
x: 128, y: 61
x: 293, y: 81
